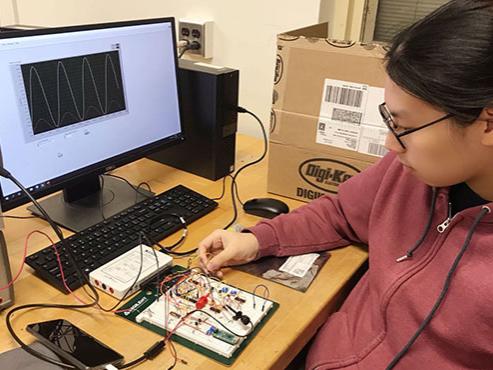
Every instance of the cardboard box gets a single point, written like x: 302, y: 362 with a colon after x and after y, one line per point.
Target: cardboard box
x: 325, y: 125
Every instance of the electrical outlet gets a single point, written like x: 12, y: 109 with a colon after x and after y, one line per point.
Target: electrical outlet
x: 197, y: 31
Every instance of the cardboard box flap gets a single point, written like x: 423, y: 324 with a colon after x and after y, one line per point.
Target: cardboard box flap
x: 320, y: 30
x: 300, y: 81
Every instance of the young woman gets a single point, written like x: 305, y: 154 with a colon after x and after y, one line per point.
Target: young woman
x: 424, y: 210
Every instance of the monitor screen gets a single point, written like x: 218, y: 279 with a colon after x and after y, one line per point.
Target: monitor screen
x: 82, y: 100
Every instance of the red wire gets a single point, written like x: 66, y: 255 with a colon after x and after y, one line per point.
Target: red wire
x: 11, y: 282
x: 28, y: 237
x: 57, y: 255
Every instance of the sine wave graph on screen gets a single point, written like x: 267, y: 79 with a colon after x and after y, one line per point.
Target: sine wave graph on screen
x: 64, y: 92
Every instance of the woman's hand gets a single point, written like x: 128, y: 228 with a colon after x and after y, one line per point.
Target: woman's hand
x: 226, y: 248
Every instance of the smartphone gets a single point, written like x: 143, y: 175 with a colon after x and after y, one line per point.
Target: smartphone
x: 74, y: 345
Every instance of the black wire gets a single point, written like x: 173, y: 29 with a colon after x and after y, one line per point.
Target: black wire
x: 18, y: 217
x: 135, y: 362
x: 136, y: 188
x: 184, y: 50
x: 416, y: 245
x: 162, y: 248
x: 233, y: 183
x: 139, y: 186
x: 101, y: 203
x: 7, y: 174
x: 224, y: 326
x: 24, y: 346
x: 236, y: 191
x: 184, y: 227
x: 224, y: 188
x: 146, y: 184
x: 443, y: 293
x: 175, y: 357
x: 168, y: 249
x: 266, y: 294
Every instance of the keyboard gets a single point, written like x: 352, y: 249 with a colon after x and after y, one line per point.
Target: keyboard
x: 101, y: 243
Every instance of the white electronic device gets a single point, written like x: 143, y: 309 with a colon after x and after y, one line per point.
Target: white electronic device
x: 120, y: 277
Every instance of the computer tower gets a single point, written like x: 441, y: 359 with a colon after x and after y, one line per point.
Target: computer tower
x: 208, y: 98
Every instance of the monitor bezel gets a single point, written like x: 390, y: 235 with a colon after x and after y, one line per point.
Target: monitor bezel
x: 114, y: 162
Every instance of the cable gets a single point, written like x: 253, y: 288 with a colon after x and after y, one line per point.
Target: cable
x: 68, y: 250
x: 233, y: 183
x: 224, y: 326
x: 63, y: 279
x: 18, y: 217
x: 149, y: 354
x: 236, y: 191
x: 185, y: 49
x: 140, y: 184
x: 194, y: 45
x: 163, y: 249
x: 24, y: 346
x: 14, y: 279
x: 173, y: 353
x: 101, y: 203
x: 136, y: 188
x: 224, y: 188
x: 266, y: 294
x: 168, y: 249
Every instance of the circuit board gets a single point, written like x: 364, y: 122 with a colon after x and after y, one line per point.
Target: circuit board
x: 202, y: 313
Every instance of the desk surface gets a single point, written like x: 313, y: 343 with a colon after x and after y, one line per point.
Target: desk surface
x: 299, y: 315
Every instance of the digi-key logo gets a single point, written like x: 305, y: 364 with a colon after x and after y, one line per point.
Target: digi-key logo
x: 325, y: 174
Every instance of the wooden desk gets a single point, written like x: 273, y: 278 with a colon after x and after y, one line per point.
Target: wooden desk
x: 299, y: 315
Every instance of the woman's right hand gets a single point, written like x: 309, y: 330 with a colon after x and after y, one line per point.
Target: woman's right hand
x: 226, y: 248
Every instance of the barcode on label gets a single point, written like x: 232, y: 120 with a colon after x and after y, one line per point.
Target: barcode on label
x: 344, y: 96
x: 377, y: 149
x: 346, y: 115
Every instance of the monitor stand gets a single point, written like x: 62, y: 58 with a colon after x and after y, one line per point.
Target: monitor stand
x: 71, y: 211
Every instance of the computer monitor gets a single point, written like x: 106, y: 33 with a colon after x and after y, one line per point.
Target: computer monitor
x: 79, y: 101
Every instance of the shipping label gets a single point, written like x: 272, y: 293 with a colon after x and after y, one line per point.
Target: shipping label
x: 349, y: 117
x: 341, y: 113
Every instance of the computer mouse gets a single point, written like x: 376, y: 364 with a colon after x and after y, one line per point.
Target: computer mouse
x: 265, y: 207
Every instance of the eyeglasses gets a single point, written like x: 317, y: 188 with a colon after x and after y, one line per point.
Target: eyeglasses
x: 392, y: 126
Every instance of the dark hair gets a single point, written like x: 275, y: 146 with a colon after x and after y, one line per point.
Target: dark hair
x: 446, y: 59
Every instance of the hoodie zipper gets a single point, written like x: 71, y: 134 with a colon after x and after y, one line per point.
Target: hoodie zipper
x: 443, y: 226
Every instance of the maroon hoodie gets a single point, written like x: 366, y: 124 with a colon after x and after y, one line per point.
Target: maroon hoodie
x: 390, y: 210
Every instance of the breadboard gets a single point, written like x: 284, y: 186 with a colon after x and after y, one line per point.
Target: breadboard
x: 202, y: 330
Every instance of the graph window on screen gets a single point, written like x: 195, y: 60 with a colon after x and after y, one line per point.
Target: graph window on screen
x: 79, y: 101
x: 62, y: 94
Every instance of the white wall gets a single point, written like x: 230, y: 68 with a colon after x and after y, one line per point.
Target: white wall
x: 244, y: 32
x: 345, y: 18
